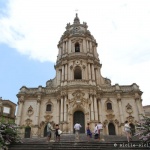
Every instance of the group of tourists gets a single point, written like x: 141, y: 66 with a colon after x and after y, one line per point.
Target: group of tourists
x: 57, y: 132
x: 96, y: 132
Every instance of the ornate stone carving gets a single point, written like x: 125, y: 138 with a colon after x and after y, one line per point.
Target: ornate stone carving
x: 71, y: 67
x: 48, y: 117
x: 105, y: 123
x: 110, y: 116
x: 130, y: 118
x: 129, y: 108
x: 116, y: 121
x: 77, y: 101
x: 28, y: 122
x: 30, y: 111
x: 77, y: 62
x: 83, y: 66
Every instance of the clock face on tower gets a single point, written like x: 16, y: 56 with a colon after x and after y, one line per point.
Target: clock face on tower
x: 76, y: 29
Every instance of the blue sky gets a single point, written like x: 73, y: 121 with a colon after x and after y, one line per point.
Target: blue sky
x: 30, y: 31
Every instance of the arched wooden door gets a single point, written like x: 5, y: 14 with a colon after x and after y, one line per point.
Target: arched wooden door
x: 132, y: 128
x: 45, y: 131
x: 78, y: 116
x: 27, y: 132
x: 111, y: 129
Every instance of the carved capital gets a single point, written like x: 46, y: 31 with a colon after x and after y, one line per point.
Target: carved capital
x: 71, y: 67
x: 118, y: 96
x: 137, y: 96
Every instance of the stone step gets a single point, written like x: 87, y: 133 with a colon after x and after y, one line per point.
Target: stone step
x: 68, y: 142
x: 80, y: 145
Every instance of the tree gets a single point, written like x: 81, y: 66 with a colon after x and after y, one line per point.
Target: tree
x: 143, y: 129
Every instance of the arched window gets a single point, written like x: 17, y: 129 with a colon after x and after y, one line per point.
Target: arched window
x: 109, y: 106
x: 77, y: 73
x: 77, y: 47
x: 49, y: 107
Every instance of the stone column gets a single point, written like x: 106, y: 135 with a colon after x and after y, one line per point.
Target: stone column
x: 92, y: 111
x: 72, y: 47
x: 71, y: 72
x: 66, y: 47
x: 89, y: 71
x: 58, y: 110
x: 66, y: 72
x: 58, y: 77
x: 100, y: 111
x: 65, y: 109
x: 87, y: 45
x: 84, y: 45
x: 69, y: 46
x: 63, y: 47
x: 120, y: 112
x: 95, y: 108
x: 93, y: 74
x: 62, y: 109
x: 63, y: 73
x: 38, y: 110
x: 137, y: 100
x: 21, y: 101
x: 81, y: 47
x: 90, y: 46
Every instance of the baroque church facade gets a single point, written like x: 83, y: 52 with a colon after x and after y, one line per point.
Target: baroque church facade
x: 78, y: 93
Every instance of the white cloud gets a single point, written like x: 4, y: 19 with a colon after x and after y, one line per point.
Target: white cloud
x: 121, y: 28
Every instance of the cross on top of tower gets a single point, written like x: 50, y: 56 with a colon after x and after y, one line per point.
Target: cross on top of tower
x: 76, y: 19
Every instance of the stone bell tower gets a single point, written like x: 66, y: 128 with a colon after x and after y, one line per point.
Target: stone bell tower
x: 78, y: 58
x: 78, y: 73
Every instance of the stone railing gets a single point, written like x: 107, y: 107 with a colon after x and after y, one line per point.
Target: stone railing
x: 126, y: 88
x: 76, y: 82
x: 108, y: 89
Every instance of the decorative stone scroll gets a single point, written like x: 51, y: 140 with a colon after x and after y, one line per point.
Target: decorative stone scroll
x: 48, y: 117
x: 78, y: 99
x: 28, y: 122
x: 110, y: 116
x: 129, y: 108
x: 130, y: 119
x: 30, y: 111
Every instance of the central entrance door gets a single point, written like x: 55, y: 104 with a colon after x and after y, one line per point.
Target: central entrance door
x: 78, y: 117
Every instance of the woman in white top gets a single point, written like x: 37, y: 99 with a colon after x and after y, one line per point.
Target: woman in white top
x: 127, y: 130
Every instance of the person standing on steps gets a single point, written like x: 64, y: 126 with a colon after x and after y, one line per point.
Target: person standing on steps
x: 96, y: 132
x: 88, y: 132
x: 127, y: 130
x: 100, y: 127
x: 48, y: 131
x: 56, y: 133
x: 77, y: 127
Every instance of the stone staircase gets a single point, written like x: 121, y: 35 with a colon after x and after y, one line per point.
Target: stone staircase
x: 68, y: 142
